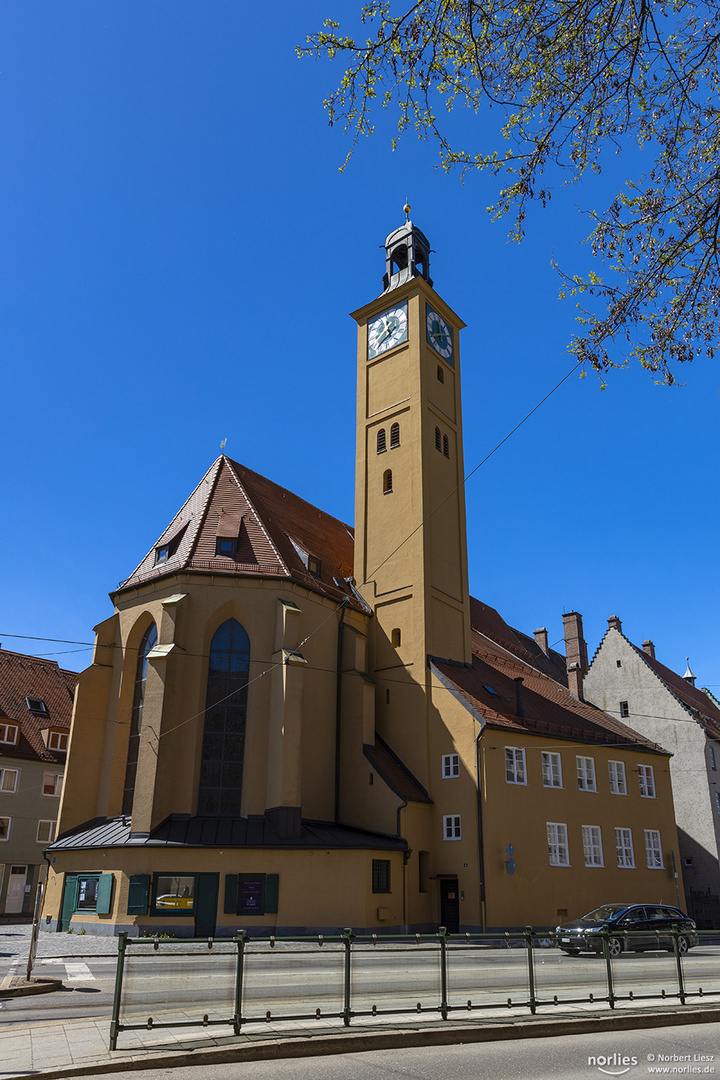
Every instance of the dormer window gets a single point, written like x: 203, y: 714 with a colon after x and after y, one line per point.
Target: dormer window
x: 226, y: 546
x: 58, y: 740
x: 36, y: 705
x: 166, y: 551
x: 162, y: 554
x: 314, y: 566
x: 8, y: 733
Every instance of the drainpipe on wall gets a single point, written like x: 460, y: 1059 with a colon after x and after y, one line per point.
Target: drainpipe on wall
x: 481, y: 850
x: 338, y: 707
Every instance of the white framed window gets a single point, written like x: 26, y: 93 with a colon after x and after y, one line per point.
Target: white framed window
x: 450, y: 766
x: 551, y: 769
x: 5, y: 828
x: 557, y: 843
x: 9, y: 781
x: 646, y: 776
x: 616, y: 771
x: 52, y: 783
x: 592, y: 845
x: 9, y: 733
x: 653, y: 849
x: 57, y: 740
x: 624, y: 848
x: 586, y: 773
x: 515, y: 765
x: 451, y: 827
x: 45, y: 832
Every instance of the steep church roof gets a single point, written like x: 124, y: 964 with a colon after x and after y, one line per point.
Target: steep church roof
x: 274, y: 533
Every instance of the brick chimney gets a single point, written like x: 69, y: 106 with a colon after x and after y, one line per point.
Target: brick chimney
x: 576, y: 656
x: 614, y: 623
x: 541, y: 638
x: 649, y: 648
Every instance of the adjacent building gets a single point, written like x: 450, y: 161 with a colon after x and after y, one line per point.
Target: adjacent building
x: 631, y: 683
x: 290, y: 723
x: 36, y: 698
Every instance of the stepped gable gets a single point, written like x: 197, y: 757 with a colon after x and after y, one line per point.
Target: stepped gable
x: 549, y: 708
x: 695, y: 700
x: 23, y: 677
x: 276, y: 533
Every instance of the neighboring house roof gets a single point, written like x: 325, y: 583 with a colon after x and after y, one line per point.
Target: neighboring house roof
x: 23, y: 677
x: 396, y: 775
x: 548, y: 707
x: 700, y: 705
x: 486, y: 620
x: 276, y: 534
x: 179, y: 830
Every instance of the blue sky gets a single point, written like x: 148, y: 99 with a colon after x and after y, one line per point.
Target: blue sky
x: 179, y: 253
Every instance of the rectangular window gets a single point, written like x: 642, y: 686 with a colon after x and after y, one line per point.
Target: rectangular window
x: 557, y: 844
x: 36, y: 705
x: 717, y: 801
x: 624, y: 848
x: 592, y: 845
x: 225, y: 545
x: 57, y: 740
x: 624, y: 709
x: 451, y: 827
x: 653, y: 849
x: 9, y: 733
x: 52, y: 783
x: 450, y: 765
x: 647, y: 781
x: 8, y: 780
x: 515, y: 765
x: 551, y: 769
x: 616, y: 769
x: 586, y: 774
x: 711, y: 750
x: 174, y: 894
x: 5, y: 827
x: 45, y: 832
x: 87, y: 893
x: 381, y: 875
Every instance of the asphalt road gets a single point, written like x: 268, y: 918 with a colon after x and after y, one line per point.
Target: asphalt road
x: 631, y: 1054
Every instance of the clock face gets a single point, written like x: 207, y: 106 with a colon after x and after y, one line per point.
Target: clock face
x: 387, y: 330
x: 439, y: 335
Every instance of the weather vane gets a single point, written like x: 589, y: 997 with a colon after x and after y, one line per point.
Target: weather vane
x: 223, y: 444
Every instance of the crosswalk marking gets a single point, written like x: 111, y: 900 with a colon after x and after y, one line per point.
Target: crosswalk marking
x: 79, y: 972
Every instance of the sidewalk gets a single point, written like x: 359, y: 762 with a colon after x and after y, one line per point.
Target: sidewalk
x: 59, y: 1048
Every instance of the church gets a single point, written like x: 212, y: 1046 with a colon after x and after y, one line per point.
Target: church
x: 292, y: 724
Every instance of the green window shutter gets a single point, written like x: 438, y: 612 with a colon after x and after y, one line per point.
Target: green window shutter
x: 231, y: 894
x: 138, y: 894
x: 104, y: 894
x: 272, y: 884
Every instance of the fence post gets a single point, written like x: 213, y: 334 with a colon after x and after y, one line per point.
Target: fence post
x: 678, y: 963
x: 239, y: 973
x: 115, y: 1021
x: 608, y: 967
x: 442, y: 935
x: 347, y: 942
x: 531, y: 968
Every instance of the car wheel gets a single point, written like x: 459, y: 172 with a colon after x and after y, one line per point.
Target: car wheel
x: 615, y: 946
x: 682, y: 945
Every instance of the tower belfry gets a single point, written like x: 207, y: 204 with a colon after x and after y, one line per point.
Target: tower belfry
x: 407, y: 255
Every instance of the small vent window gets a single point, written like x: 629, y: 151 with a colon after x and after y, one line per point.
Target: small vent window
x: 440, y: 374
x: 381, y: 443
x: 446, y: 446
x: 438, y: 439
x: 624, y: 709
x: 387, y: 482
x: 396, y: 637
x: 36, y: 705
x: 394, y: 436
x: 381, y: 875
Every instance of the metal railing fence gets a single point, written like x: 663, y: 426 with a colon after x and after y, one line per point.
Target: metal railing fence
x: 162, y: 983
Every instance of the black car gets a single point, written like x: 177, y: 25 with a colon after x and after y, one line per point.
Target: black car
x: 631, y: 927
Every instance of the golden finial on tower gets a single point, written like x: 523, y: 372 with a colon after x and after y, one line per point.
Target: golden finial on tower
x: 406, y: 210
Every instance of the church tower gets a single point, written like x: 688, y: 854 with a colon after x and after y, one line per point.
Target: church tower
x: 410, y: 530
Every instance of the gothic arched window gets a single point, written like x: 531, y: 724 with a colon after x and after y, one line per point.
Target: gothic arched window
x: 148, y: 641
x: 223, y: 748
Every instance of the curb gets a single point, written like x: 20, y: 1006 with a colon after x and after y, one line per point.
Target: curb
x: 17, y: 986
x: 360, y: 1042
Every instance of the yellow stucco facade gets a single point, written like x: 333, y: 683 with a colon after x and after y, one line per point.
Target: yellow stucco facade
x: 367, y: 788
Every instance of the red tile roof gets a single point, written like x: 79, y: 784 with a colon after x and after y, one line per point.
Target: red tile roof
x: 276, y: 531
x: 30, y: 676
x: 548, y: 707
x: 700, y: 705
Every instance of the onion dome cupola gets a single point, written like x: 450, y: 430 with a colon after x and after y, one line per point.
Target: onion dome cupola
x: 407, y: 255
